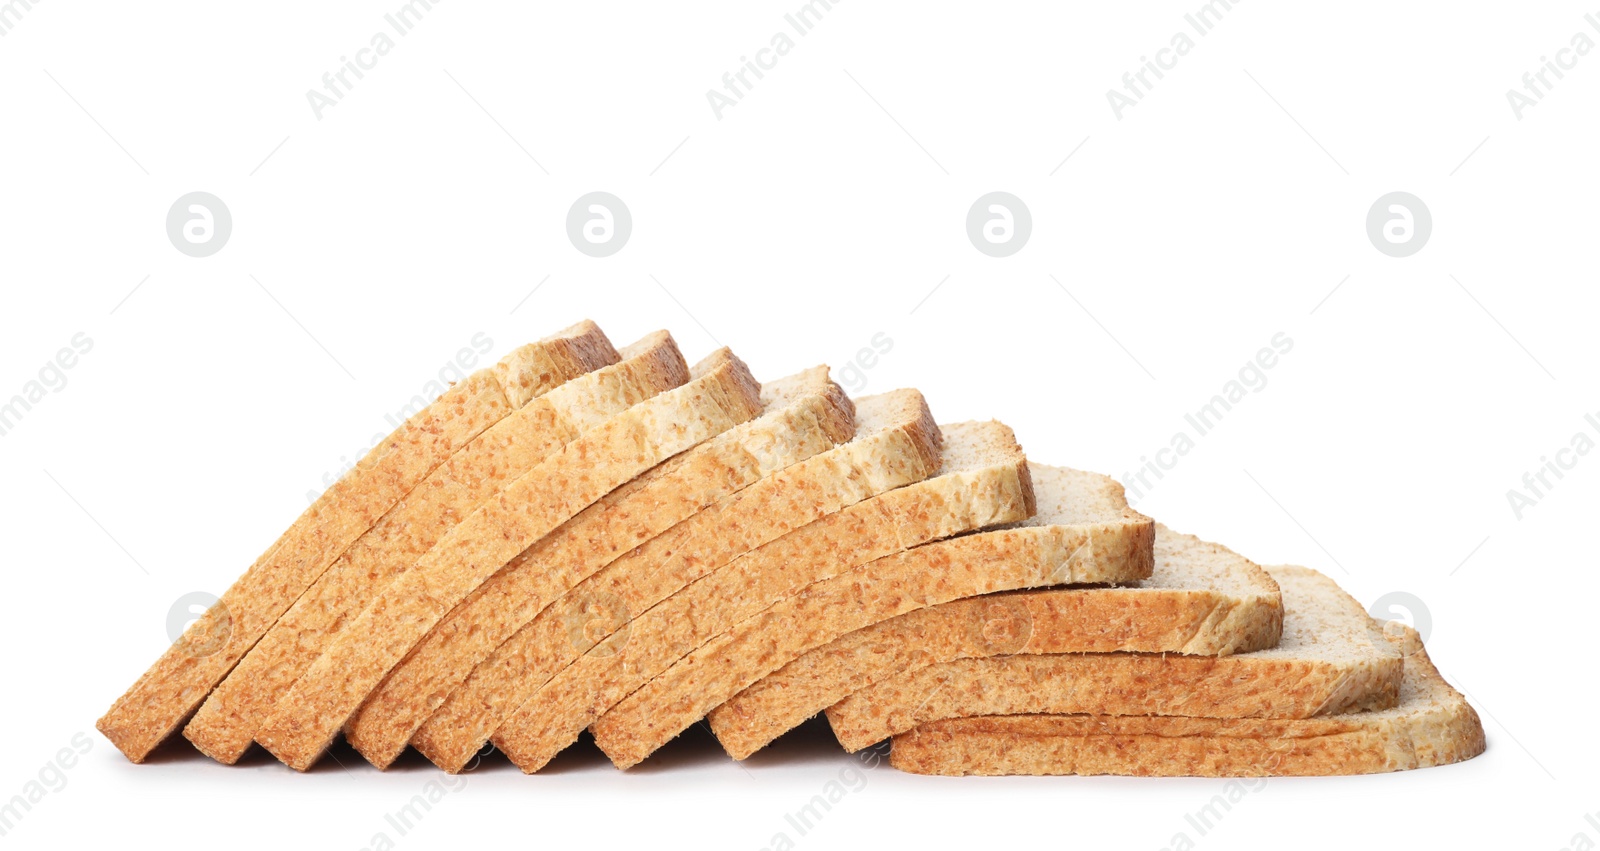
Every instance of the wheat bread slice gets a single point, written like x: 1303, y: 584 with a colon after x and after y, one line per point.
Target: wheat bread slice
x: 803, y: 414
x: 982, y: 481
x: 1431, y: 725
x: 896, y: 444
x: 1061, y: 544
x: 225, y: 726
x: 1200, y: 598
x: 721, y: 395
x: 1332, y: 658
x: 170, y: 690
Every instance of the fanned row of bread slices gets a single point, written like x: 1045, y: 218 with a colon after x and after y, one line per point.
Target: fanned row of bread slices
x: 583, y: 537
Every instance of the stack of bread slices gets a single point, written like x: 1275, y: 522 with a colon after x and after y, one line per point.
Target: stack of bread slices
x: 591, y: 538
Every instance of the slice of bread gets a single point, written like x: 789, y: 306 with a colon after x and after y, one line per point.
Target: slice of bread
x: 307, y: 718
x: 225, y: 726
x: 1200, y: 599
x: 896, y: 444
x: 174, y: 686
x: 1431, y: 725
x: 1084, y: 527
x: 804, y: 414
x: 983, y: 481
x: 1332, y: 658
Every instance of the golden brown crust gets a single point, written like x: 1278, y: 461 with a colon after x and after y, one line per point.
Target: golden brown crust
x: 305, y: 721
x: 1225, y: 607
x: 802, y: 418
x: 1347, y: 666
x: 1432, y: 725
x: 895, y: 440
x: 187, y: 672
x: 225, y: 725
x: 984, y: 482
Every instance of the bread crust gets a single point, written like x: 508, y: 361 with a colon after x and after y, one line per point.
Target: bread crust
x: 534, y: 369
x: 896, y: 443
x: 225, y: 726
x: 984, y: 481
x: 155, y: 705
x: 307, y: 718
x: 1432, y: 725
x: 1333, y: 659
x: 803, y: 415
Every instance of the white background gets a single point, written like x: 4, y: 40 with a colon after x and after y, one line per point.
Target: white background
x: 823, y: 209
